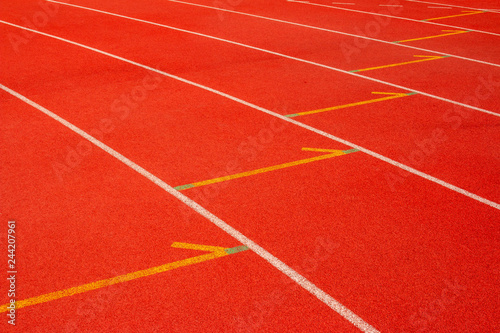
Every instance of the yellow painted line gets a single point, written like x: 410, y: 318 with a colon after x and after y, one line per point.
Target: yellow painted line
x: 391, y: 96
x: 332, y: 153
x: 215, y: 252
x: 449, y: 33
x: 466, y: 12
x: 425, y: 58
x: 321, y: 150
x: 198, y: 247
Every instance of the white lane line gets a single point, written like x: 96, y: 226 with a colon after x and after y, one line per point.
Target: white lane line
x: 281, y: 266
x: 277, y: 54
x: 277, y: 115
x: 332, y: 31
x: 395, y: 17
x: 434, y: 7
x: 445, y: 4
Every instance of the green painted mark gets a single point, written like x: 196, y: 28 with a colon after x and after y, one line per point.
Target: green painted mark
x: 237, y: 249
x: 350, y: 151
x: 183, y: 187
x: 292, y: 115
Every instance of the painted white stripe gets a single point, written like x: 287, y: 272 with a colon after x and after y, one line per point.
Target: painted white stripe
x: 444, y: 4
x: 434, y: 7
x: 273, y: 53
x: 333, y: 31
x: 396, y: 17
x: 277, y: 115
x: 281, y: 266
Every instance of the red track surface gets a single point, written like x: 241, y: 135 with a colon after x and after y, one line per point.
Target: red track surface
x: 400, y: 251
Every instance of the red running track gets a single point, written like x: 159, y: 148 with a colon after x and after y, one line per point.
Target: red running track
x: 403, y: 253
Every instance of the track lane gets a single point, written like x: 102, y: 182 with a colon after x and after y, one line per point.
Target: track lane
x: 436, y: 287
x: 413, y: 239
x: 402, y: 57
x: 101, y: 235
x: 418, y: 14
x: 233, y: 24
x: 481, y: 5
x: 372, y: 29
x: 211, y: 77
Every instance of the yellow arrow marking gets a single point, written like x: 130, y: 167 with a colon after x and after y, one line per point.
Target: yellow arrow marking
x: 332, y: 153
x: 425, y: 58
x: 215, y: 252
x: 450, y: 32
x: 466, y: 12
x: 391, y: 96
